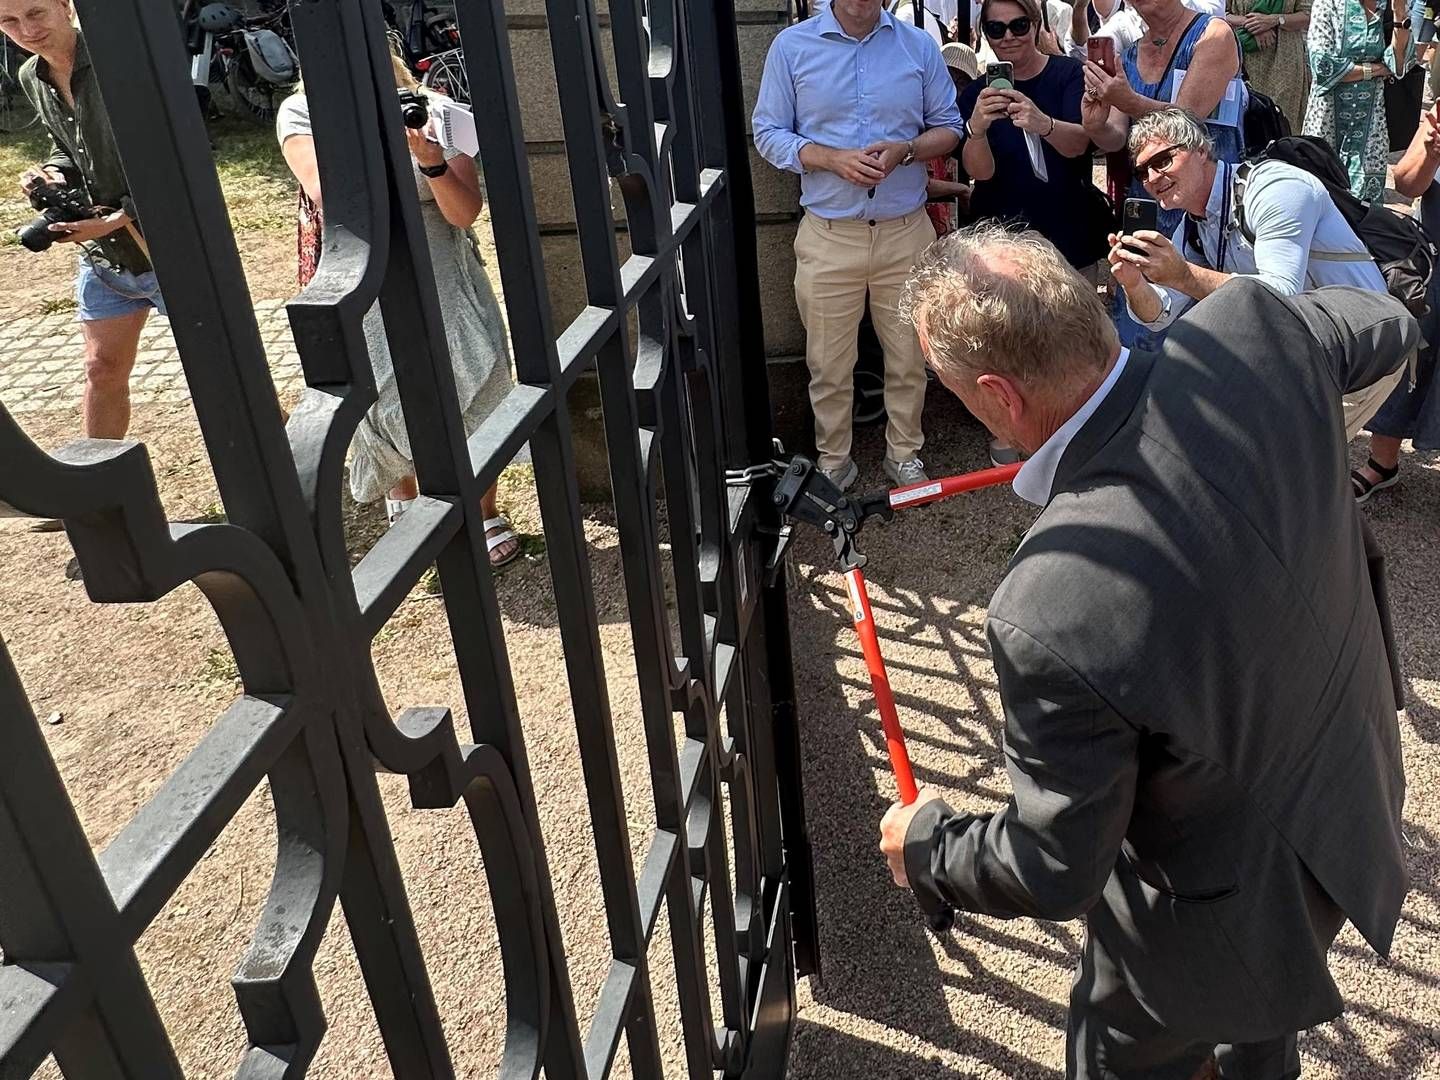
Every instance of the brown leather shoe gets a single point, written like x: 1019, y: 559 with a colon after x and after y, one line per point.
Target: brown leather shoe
x: 1208, y: 1071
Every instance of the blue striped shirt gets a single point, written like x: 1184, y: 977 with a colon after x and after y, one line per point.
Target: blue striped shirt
x: 822, y: 86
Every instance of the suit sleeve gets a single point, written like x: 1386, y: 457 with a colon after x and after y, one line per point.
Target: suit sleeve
x: 1072, y: 763
x: 1362, y: 335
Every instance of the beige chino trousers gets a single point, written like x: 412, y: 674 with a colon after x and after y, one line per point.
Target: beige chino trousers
x: 1363, y: 404
x: 837, y: 263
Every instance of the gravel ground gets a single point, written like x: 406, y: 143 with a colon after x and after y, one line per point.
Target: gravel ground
x: 137, y: 686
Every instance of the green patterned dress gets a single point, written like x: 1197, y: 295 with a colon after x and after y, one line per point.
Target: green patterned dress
x: 1350, y: 116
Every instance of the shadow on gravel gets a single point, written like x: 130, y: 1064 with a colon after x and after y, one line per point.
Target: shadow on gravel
x: 880, y: 963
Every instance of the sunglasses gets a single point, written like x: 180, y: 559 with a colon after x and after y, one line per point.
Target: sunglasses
x: 995, y: 29
x: 1157, y: 163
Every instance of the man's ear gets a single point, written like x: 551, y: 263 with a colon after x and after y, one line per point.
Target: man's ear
x: 1004, y: 394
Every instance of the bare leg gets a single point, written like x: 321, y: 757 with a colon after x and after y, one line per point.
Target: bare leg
x: 110, y: 346
x: 1384, y: 450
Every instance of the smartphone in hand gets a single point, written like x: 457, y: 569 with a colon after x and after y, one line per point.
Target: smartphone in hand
x: 1101, y: 50
x: 1138, y: 215
x: 1000, y: 75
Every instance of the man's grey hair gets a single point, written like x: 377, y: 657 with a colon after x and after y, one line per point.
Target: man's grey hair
x: 988, y: 299
x: 1174, y: 127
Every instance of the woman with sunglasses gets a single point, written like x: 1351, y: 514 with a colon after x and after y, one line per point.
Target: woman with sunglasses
x: 1024, y: 147
x: 1185, y: 59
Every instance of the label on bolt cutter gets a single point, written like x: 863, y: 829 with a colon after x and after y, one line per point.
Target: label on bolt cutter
x: 855, y: 603
x: 909, y: 495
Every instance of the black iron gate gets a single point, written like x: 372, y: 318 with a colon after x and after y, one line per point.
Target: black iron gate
x: 682, y: 403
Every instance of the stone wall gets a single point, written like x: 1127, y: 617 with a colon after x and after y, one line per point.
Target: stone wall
x: 776, y: 193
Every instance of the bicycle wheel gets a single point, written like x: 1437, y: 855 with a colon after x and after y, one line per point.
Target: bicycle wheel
x: 445, y: 72
x: 256, y: 100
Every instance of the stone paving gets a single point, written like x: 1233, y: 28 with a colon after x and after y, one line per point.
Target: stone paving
x: 42, y: 361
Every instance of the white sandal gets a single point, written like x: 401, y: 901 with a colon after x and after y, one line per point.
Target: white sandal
x: 395, y: 507
x: 492, y: 542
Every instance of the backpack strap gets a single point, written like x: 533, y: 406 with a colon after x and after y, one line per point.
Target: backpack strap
x: 1242, y: 178
x: 1241, y: 181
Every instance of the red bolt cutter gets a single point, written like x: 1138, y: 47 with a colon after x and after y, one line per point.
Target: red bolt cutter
x: 805, y: 494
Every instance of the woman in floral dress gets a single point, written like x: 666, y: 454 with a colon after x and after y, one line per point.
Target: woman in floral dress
x: 1351, y: 63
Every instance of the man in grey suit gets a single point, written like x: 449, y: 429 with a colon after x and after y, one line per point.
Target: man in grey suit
x: 1200, y: 709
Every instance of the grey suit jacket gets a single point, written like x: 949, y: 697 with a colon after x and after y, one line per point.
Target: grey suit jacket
x: 1200, y: 720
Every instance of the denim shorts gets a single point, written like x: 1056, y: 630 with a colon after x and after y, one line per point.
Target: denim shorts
x: 105, y: 293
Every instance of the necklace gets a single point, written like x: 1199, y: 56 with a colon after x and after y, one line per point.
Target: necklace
x: 1158, y: 42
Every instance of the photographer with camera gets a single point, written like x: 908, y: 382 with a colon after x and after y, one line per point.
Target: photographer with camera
x: 1268, y: 219
x: 83, y: 196
x: 447, y: 182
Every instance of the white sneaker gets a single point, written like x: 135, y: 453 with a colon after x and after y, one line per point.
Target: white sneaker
x: 905, y: 473
x: 842, y: 476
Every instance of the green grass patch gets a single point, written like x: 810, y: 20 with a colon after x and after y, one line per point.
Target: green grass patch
x: 218, y: 668
x: 18, y: 151
x: 57, y: 306
x: 258, y: 187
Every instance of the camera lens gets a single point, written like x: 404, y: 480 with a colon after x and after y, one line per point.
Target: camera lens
x: 414, y: 115
x: 36, y: 235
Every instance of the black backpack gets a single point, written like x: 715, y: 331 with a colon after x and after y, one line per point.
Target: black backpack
x: 1264, y: 121
x: 1396, y: 242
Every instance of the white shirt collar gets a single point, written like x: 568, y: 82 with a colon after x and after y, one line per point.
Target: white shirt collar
x: 1037, y: 476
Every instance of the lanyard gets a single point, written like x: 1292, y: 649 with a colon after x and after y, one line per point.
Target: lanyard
x: 1224, y: 241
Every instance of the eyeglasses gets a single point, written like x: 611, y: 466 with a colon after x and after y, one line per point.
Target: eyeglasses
x: 1159, y: 162
x: 995, y: 29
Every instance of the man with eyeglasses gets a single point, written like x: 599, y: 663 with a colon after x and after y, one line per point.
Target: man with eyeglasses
x: 1294, y: 237
x: 856, y: 101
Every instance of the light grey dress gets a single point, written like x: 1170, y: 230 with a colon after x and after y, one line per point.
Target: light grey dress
x: 380, y: 455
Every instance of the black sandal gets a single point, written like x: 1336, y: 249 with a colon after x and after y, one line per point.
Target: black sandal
x: 1365, y: 487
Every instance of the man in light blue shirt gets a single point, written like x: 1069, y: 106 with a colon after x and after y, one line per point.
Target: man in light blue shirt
x: 855, y: 100
x: 1294, y: 239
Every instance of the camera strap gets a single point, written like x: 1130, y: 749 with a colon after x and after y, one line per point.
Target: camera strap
x: 139, y: 240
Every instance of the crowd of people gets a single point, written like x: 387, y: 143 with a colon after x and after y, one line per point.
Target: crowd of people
x: 1056, y: 118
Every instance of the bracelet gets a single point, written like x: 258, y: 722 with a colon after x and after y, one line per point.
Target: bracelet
x: 1052, y: 129
x: 1364, y: 72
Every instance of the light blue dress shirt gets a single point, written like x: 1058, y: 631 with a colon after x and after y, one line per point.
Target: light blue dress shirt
x: 1302, y: 241
x: 1037, y: 476
x: 822, y: 86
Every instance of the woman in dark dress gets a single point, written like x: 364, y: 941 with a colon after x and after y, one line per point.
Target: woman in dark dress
x: 1025, y: 150
x: 1024, y: 147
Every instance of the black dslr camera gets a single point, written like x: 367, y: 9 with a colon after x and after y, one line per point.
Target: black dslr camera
x: 414, y: 109
x: 57, y: 203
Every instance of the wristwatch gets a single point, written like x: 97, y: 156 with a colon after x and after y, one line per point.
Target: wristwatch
x: 433, y: 171
x: 1281, y: 24
x: 909, y: 158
